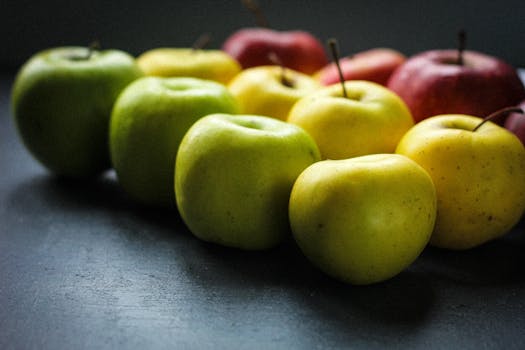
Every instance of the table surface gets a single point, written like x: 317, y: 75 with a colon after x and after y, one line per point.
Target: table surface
x: 83, y: 267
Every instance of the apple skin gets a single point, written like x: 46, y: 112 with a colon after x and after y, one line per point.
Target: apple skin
x: 185, y: 62
x: 260, y: 90
x: 432, y: 83
x: 296, y: 49
x: 479, y: 177
x: 515, y: 122
x: 372, y: 120
x: 376, y: 65
x: 61, y: 103
x: 233, y: 178
x: 365, y: 219
x: 148, y: 122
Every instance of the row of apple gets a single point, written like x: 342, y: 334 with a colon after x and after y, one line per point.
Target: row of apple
x: 430, y: 83
x: 244, y: 181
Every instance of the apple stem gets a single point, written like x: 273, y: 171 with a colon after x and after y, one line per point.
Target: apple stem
x: 272, y: 56
x: 256, y: 10
x: 335, y: 54
x: 462, y: 43
x: 201, y: 42
x: 94, y: 46
x: 499, y: 113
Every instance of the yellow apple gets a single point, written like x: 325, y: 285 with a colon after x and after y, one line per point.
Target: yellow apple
x: 185, y: 62
x: 270, y: 90
x: 363, y: 220
x: 371, y: 119
x: 479, y: 177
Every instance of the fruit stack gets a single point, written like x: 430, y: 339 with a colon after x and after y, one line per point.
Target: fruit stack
x: 364, y: 161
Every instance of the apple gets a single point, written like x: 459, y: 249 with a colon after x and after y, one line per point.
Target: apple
x: 374, y: 65
x: 365, y: 219
x: 61, y: 103
x: 296, y: 49
x: 233, y: 177
x: 440, y: 82
x: 148, y: 122
x: 516, y: 123
x: 479, y: 176
x: 186, y: 62
x: 371, y: 119
x: 270, y: 90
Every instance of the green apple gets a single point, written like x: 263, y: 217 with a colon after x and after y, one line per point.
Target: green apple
x: 479, y: 177
x: 148, y: 122
x: 365, y: 219
x: 61, y: 102
x: 270, y: 90
x: 214, y: 65
x: 370, y: 119
x: 233, y: 177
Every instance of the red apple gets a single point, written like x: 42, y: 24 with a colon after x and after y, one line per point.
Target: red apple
x: 295, y: 49
x: 516, y: 123
x: 436, y: 82
x: 374, y: 65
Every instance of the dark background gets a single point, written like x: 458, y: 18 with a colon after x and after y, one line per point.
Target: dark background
x: 494, y: 27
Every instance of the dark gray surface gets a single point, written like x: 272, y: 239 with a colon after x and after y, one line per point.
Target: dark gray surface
x: 81, y: 267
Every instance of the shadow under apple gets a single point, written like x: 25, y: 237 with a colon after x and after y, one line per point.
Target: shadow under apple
x: 98, y: 200
x: 285, y: 274
x: 56, y: 192
x: 400, y: 305
x: 494, y: 263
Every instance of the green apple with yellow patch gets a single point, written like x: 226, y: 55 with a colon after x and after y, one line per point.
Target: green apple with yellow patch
x: 233, y: 178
